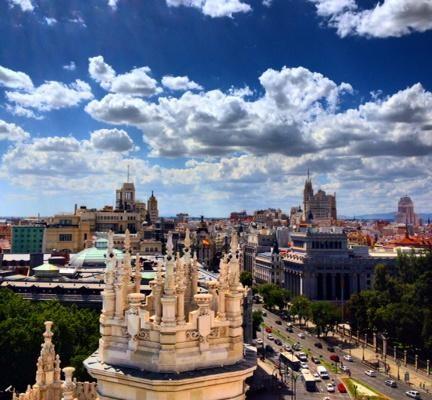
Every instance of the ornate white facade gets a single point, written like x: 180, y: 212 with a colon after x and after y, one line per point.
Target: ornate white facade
x: 176, y: 340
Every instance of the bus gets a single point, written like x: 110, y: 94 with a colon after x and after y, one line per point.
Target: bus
x: 308, y: 380
x: 290, y: 360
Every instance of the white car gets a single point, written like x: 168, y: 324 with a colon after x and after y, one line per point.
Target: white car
x: 317, y: 377
x: 304, y: 365
x: 370, y: 372
x: 302, y: 356
x: 259, y: 341
x: 287, y: 347
x: 301, y: 335
x: 270, y: 337
x: 344, y: 368
x: 348, y: 358
x: 413, y: 394
x: 330, y: 387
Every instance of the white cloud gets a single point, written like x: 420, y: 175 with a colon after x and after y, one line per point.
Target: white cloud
x: 113, y: 4
x: 214, y: 8
x: 78, y: 20
x: 70, y: 67
x: 215, y: 123
x: 389, y: 18
x: 137, y: 82
x: 267, y: 3
x: 12, y: 132
x: 20, y: 111
x: 25, y: 5
x: 14, y: 79
x: 52, y: 95
x: 111, y: 140
x: 50, y: 21
x: 180, y: 83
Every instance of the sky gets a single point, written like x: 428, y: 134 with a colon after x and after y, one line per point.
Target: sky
x: 215, y: 105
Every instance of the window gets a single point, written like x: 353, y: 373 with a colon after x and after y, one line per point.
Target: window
x: 65, y: 237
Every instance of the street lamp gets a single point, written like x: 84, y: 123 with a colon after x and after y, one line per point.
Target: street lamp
x: 294, y: 377
x: 398, y: 363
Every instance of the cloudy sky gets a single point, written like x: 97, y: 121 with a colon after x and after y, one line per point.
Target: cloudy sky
x: 216, y: 105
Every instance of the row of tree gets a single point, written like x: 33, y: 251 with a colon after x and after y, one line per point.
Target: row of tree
x: 76, y: 336
x: 323, y: 314
x: 399, y: 304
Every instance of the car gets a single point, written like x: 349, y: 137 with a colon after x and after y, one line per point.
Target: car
x: 391, y: 383
x: 344, y: 368
x: 318, y: 345
x: 315, y: 360
x: 330, y: 387
x: 268, y: 329
x: 289, y: 329
x: 264, y: 314
x: 317, y: 377
x: 259, y: 341
x: 301, y: 335
x: 370, y: 372
x: 335, y: 358
x: 279, y: 322
x: 349, y: 358
x: 341, y: 387
x: 331, y: 349
x: 413, y: 394
x: 287, y: 347
x: 278, y: 342
x: 270, y: 336
x: 326, y: 398
x: 296, y: 347
x: 302, y: 356
x: 304, y: 365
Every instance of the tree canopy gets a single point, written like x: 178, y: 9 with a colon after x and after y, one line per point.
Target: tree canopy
x: 246, y: 278
x: 274, y: 296
x: 399, y: 303
x: 76, y: 336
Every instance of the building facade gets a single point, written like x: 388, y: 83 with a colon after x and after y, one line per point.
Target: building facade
x: 67, y: 233
x: 321, y: 266
x: 152, y: 209
x: 28, y: 239
x: 318, y: 206
x: 405, y: 213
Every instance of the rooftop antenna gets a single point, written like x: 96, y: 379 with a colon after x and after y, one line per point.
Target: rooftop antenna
x: 308, y: 174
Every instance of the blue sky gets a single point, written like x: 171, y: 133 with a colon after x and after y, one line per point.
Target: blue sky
x: 217, y: 105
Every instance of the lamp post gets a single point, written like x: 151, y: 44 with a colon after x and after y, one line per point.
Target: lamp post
x: 398, y: 363
x: 294, y: 377
x: 364, y: 345
x: 384, y: 338
x: 405, y: 358
x: 358, y: 337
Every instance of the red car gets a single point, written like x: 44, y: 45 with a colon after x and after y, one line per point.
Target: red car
x: 334, y: 358
x: 268, y: 330
x: 341, y: 387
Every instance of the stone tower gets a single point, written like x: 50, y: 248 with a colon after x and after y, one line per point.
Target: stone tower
x: 152, y: 208
x: 176, y: 343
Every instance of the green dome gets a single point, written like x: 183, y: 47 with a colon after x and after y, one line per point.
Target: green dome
x: 94, y: 257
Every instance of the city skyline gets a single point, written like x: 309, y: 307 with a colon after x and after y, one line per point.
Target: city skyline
x: 213, y: 105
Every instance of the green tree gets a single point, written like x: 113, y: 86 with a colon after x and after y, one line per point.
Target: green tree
x: 246, y: 278
x: 257, y: 320
x: 274, y: 296
x: 325, y: 316
x: 301, y: 306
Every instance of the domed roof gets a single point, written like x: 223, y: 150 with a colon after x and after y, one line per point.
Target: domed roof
x: 94, y: 256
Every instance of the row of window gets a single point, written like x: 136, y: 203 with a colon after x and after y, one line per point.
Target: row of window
x: 328, y: 244
x: 116, y: 218
x: 65, y: 237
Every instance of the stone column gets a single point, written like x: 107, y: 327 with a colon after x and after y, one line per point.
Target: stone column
x: 416, y: 362
x: 428, y: 367
x: 324, y: 280
x: 221, y: 306
x: 180, y: 307
x: 68, y: 385
x: 405, y: 358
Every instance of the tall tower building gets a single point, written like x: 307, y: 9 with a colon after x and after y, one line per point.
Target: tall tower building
x: 152, y: 208
x: 176, y: 343
x: 406, y: 214
x: 318, y: 206
x: 125, y: 197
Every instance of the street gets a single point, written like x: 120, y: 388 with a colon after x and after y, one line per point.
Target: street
x: 356, y: 367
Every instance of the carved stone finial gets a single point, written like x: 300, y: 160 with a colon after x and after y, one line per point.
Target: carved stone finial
x: 68, y: 384
x: 127, y: 241
x: 234, y: 242
x: 187, y: 241
x: 110, y: 242
x: 169, y: 245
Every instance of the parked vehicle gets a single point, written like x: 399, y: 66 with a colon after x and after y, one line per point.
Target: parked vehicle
x: 318, y: 345
x: 348, y: 358
x: 331, y: 349
x: 391, y: 383
x: 370, y: 372
x: 315, y: 360
x: 413, y: 394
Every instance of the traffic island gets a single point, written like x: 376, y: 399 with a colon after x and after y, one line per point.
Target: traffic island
x: 359, y: 390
